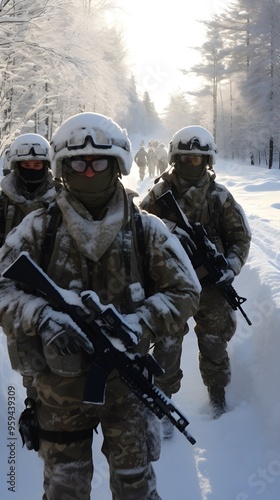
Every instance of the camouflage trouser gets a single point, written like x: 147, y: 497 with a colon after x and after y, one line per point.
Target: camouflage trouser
x: 168, y: 353
x: 30, y: 389
x: 131, y: 442
x: 215, y: 326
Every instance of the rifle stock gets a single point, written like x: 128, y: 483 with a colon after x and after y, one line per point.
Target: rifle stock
x: 132, y: 368
x: 206, y: 251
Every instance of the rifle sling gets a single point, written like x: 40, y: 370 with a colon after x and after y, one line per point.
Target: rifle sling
x: 201, y: 272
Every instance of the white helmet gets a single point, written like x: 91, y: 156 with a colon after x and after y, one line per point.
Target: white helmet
x: 28, y: 147
x: 88, y: 134
x: 192, y: 140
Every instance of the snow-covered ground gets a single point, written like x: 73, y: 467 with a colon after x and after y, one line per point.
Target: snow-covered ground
x: 236, y: 457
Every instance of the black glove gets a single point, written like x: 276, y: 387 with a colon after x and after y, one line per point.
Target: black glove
x: 58, y: 329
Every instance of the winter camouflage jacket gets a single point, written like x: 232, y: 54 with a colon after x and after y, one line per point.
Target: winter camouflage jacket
x: 15, y: 203
x: 213, y: 206
x: 101, y: 255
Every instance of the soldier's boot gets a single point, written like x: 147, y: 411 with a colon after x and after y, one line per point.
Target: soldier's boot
x: 217, y: 401
x: 167, y: 428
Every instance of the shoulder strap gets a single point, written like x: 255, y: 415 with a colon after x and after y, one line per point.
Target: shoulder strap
x: 134, y: 227
x: 214, y: 204
x: 139, y: 230
x: 3, y: 209
x: 48, y: 243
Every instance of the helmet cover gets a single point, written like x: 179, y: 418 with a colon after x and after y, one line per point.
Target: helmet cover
x: 192, y: 140
x: 90, y: 134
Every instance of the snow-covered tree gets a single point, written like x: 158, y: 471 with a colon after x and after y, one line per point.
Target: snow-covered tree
x: 177, y: 113
x: 57, y: 58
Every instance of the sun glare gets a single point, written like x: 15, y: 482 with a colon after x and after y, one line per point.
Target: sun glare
x: 161, y: 40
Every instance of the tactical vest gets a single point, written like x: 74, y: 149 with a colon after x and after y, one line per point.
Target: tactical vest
x: 214, y: 211
x: 133, y: 249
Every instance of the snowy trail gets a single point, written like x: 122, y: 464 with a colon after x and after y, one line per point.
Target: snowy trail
x: 266, y: 238
x: 236, y: 457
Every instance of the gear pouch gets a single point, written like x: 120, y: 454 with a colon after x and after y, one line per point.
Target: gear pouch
x: 70, y: 365
x: 26, y: 354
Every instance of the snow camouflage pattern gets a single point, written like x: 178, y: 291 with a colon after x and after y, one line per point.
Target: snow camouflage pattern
x: 168, y: 294
x: 212, y: 205
x: 17, y: 203
x: 124, y: 422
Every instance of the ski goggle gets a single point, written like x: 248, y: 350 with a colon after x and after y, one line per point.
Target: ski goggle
x: 194, y: 144
x: 29, y: 149
x: 80, y: 165
x: 195, y: 160
x: 97, y: 138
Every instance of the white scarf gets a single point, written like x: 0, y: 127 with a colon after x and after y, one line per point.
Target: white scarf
x: 92, y: 237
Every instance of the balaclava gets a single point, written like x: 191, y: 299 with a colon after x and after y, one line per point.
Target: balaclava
x: 190, y: 172
x: 30, y: 179
x: 93, y: 192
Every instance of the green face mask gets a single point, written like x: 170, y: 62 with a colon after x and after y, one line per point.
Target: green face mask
x: 191, y: 172
x: 83, y: 184
x: 93, y: 192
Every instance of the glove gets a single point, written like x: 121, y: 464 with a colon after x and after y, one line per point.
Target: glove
x: 186, y: 241
x: 133, y: 326
x: 123, y: 330
x: 59, y: 330
x: 189, y: 247
x: 226, y: 279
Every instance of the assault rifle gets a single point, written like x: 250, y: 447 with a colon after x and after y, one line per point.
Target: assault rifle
x: 100, y: 325
x: 203, y: 251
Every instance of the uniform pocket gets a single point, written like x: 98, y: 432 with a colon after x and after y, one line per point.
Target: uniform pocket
x: 70, y: 365
x: 26, y: 354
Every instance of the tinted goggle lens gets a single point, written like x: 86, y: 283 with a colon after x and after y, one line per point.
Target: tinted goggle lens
x: 80, y: 165
x: 195, y: 160
x: 30, y: 149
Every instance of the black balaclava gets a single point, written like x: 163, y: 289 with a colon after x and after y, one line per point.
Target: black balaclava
x: 30, y: 179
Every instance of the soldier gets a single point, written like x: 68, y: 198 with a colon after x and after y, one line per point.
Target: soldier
x: 192, y: 153
x: 95, y: 246
x: 140, y: 159
x: 27, y: 186
x: 28, y: 183
x: 151, y: 159
x: 161, y: 158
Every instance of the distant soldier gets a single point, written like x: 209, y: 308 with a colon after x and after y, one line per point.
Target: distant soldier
x: 161, y: 156
x: 151, y: 161
x: 141, y: 159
